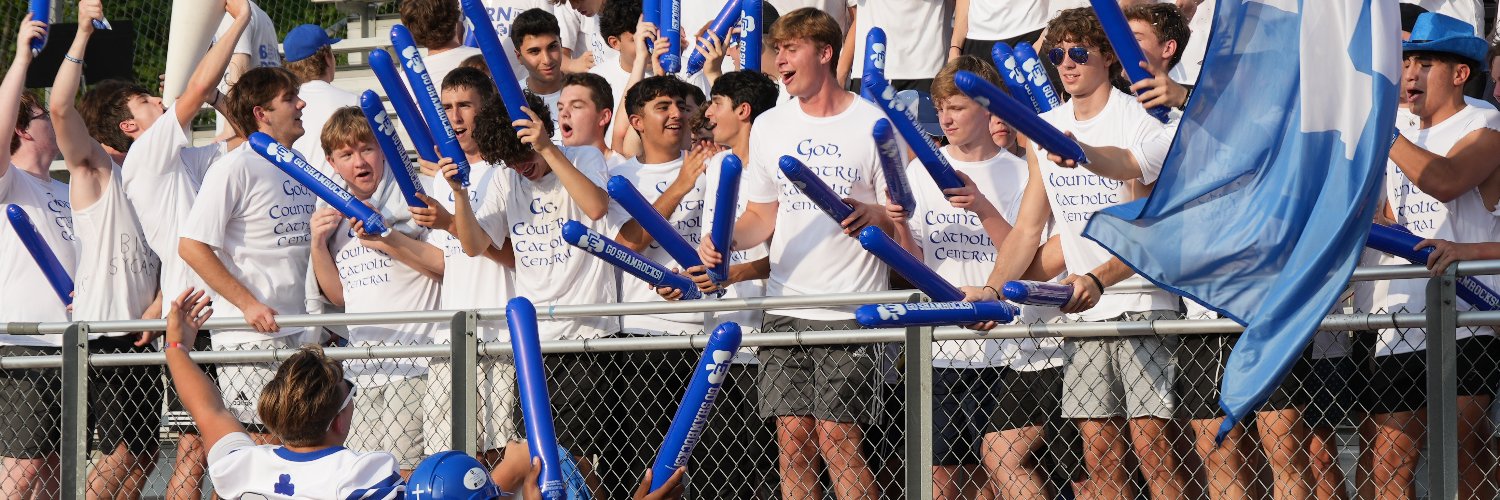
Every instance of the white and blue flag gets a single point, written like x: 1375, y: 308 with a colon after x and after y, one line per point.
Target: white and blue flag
x: 1266, y: 198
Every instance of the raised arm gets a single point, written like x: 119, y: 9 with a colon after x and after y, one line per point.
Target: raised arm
x: 200, y: 395
x: 589, y: 196
x: 15, y: 83
x: 203, y: 85
x: 88, y: 164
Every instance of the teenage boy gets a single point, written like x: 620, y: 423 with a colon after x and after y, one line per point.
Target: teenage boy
x: 1441, y: 183
x: 470, y: 282
x: 819, y: 396
x: 535, y: 34
x: 1111, y: 385
x: 364, y: 272
x: 161, y: 175
x: 585, y: 114
x: 116, y: 279
x: 438, y: 26
x: 542, y: 187
x: 29, y: 443
x: 309, y: 55
x: 247, y: 236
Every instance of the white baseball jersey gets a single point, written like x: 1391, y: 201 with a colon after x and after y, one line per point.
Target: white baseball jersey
x: 241, y: 469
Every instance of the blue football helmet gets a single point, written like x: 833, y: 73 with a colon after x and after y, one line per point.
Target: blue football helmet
x: 451, y: 475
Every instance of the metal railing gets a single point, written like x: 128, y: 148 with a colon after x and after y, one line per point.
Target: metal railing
x: 1441, y: 319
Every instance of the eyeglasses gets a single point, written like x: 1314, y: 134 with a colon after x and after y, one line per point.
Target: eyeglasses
x: 1079, y: 55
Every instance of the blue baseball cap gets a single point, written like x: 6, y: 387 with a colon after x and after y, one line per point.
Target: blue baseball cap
x: 1435, y: 32
x: 304, y: 41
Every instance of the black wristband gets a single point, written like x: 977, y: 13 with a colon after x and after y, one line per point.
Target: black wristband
x: 998, y: 296
x: 1097, y: 283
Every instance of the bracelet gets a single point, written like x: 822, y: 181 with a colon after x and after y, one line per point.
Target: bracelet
x: 179, y: 345
x: 1097, y: 283
x: 71, y: 59
x: 998, y: 296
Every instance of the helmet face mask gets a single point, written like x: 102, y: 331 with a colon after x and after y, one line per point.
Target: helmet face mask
x: 451, y: 475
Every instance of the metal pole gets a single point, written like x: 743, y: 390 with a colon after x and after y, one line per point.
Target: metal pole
x: 465, y: 367
x: 1442, y: 387
x: 918, y: 412
x: 75, y: 406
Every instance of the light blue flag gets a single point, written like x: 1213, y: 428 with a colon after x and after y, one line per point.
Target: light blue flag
x: 1266, y: 198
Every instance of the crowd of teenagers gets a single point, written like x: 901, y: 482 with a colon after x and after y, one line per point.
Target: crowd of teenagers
x: 152, y: 226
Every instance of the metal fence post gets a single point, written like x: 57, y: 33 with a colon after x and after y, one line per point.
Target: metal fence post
x: 918, y: 376
x: 465, y: 369
x: 1442, y: 387
x: 75, y: 406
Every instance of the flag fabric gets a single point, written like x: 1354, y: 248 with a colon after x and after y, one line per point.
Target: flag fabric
x: 1266, y: 198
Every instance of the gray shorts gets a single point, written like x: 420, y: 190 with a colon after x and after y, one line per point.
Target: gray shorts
x: 1120, y: 376
x: 834, y: 383
x: 241, y: 383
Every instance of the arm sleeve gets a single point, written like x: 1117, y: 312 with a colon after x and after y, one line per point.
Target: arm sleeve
x: 759, y: 184
x: 374, y: 476
x: 1150, y: 146
x: 226, y: 467
x: 216, y: 203
x: 491, y: 211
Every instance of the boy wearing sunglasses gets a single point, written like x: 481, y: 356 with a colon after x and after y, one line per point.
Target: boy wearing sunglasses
x: 308, y: 406
x: 1118, y: 385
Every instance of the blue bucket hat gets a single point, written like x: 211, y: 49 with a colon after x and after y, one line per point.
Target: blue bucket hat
x: 1439, y: 33
x: 304, y: 41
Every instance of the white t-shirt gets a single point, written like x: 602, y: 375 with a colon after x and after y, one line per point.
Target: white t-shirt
x: 256, y: 218
x: 373, y: 281
x: 551, y: 101
x: 258, y: 41
x: 548, y: 269
x: 1464, y: 220
x: 26, y: 296
x: 595, y: 42
x: 651, y: 180
x: 617, y: 78
x: 839, y: 9
x: 503, y: 12
x: 990, y: 20
x: 570, y: 23
x: 473, y: 282
x: 919, y: 47
x: 1076, y: 194
x: 953, y: 240
x: 161, y: 176
x: 1469, y: 11
x: 810, y: 255
x: 241, y: 469
x: 749, y: 319
x: 117, y: 271
x: 1186, y: 70
x: 323, y: 99
x: 442, y: 63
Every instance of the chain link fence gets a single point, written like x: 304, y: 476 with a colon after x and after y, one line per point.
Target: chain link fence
x: 1044, y: 409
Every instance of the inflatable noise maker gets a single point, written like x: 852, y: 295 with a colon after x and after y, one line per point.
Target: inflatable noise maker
x: 58, y: 277
x: 536, y: 404
x: 1016, y: 114
x: 871, y: 238
x: 726, y: 203
x: 627, y: 260
x: 890, y: 163
x: 671, y: 29
x: 290, y: 162
x: 934, y: 314
x: 901, y: 115
x: 406, y: 109
x: 1127, y: 48
x: 1037, y: 83
x: 1037, y: 293
x: 41, y: 11
x: 1010, y: 71
x: 728, y: 16
x: 402, y: 170
x: 697, y: 403
x: 624, y: 193
x: 1396, y: 240
x: 428, y: 99
x: 496, y: 58
x: 751, y: 33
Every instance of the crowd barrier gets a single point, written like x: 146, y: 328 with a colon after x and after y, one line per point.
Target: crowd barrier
x: 639, y: 381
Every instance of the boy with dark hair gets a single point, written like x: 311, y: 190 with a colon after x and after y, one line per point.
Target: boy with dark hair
x: 536, y: 36
x: 585, y: 114
x: 470, y: 282
x: 248, y: 236
x: 618, y: 25
x: 29, y: 442
x: 1111, y: 385
x: 438, y: 26
x: 1441, y: 183
x: 116, y: 279
x: 819, y: 396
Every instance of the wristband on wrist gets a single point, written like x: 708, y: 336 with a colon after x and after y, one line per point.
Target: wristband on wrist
x: 1097, y: 283
x: 179, y: 345
x: 71, y: 59
x: 998, y: 296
